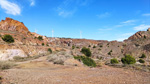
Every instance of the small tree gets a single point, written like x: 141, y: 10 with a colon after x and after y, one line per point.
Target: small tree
x: 8, y: 38
x: 73, y: 47
x: 86, y: 51
x: 114, y: 61
x: 128, y: 59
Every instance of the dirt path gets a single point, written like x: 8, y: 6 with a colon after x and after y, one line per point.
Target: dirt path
x: 42, y: 72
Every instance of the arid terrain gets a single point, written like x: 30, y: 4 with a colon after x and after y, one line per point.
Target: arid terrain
x: 37, y: 59
x: 41, y: 72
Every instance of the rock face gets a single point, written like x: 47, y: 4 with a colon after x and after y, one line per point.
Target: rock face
x: 148, y: 29
x: 14, y: 25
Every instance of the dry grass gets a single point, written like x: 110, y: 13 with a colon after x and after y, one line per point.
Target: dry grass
x: 6, y: 65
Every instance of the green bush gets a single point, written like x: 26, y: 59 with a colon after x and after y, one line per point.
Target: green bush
x: 114, y: 61
x: 50, y: 50
x: 89, y: 46
x: 143, y: 56
x: 109, y: 53
x: 86, y: 51
x: 40, y: 38
x: 8, y: 38
x: 86, y: 60
x: 141, y: 61
x: 101, y: 46
x: 128, y: 59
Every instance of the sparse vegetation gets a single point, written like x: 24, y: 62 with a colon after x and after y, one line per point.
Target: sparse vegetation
x: 50, y: 50
x: 101, y: 46
x: 141, y: 61
x: 114, y: 61
x: 6, y: 65
x: 86, y: 51
x: 40, y: 38
x: 143, y: 56
x: 86, y: 60
x: 89, y: 46
x: 128, y: 59
x: 8, y: 38
x: 144, y: 37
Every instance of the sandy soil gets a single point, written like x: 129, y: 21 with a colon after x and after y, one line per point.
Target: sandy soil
x: 41, y: 72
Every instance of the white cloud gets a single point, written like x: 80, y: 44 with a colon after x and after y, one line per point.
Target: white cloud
x: 65, y: 13
x: 147, y: 14
x: 141, y: 27
x: 104, y: 15
x: 10, y: 7
x: 128, y: 21
x: 106, y: 29
x: 32, y: 2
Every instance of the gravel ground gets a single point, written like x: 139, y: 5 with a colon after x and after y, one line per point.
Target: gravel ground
x: 42, y: 72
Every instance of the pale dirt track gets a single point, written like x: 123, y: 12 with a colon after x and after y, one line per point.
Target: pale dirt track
x: 42, y: 72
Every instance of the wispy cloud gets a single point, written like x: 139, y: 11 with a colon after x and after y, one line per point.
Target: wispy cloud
x: 105, y: 29
x: 141, y: 27
x: 104, y: 15
x: 147, y: 14
x: 32, y: 2
x: 129, y: 21
x: 10, y: 7
x: 65, y: 13
x: 126, y: 23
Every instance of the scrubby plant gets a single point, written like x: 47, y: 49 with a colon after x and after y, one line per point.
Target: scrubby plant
x: 128, y: 59
x: 101, y: 46
x: 50, y: 50
x: 114, y: 61
x: 86, y: 51
x: 42, y: 44
x: 141, y: 61
x: 94, y: 46
x: 143, y: 56
x: 40, y: 38
x: 73, y: 47
x: 89, y: 46
x: 109, y: 53
x: 6, y: 65
x: 86, y: 60
x: 144, y: 37
x: 8, y: 38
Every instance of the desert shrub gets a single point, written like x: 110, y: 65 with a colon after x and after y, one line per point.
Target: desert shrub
x: 109, y: 53
x: 47, y: 45
x: 40, y: 38
x: 101, y: 46
x: 21, y: 59
x: 6, y: 65
x: 86, y: 51
x: 144, y: 37
x: 94, y: 46
x: 50, y: 50
x: 89, y: 46
x: 86, y: 60
x: 128, y: 59
x: 73, y: 47
x: 143, y: 56
x: 42, y: 44
x: 114, y: 61
x: 8, y: 38
x: 141, y: 61
x: 77, y: 47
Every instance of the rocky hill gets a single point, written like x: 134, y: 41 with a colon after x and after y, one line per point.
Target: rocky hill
x: 28, y: 44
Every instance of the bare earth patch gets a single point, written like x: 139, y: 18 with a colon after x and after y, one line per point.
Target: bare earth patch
x: 42, y: 72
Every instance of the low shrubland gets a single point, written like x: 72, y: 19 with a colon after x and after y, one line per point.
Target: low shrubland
x: 21, y: 59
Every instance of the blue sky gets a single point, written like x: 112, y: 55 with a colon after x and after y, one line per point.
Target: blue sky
x: 96, y: 19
